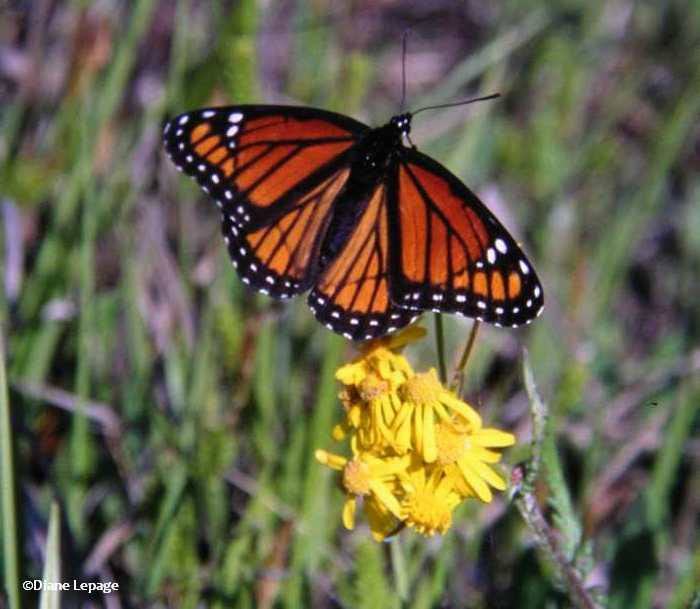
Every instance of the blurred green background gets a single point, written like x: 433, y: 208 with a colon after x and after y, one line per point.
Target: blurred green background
x: 172, y: 416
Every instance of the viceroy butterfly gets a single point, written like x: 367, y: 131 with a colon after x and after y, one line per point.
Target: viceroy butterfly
x: 379, y: 232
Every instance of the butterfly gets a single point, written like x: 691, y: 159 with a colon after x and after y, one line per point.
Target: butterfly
x: 376, y: 230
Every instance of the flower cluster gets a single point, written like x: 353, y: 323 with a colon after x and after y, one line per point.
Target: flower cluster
x: 417, y: 450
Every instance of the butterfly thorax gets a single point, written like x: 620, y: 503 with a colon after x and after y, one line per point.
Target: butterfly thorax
x: 378, y: 149
x: 373, y: 157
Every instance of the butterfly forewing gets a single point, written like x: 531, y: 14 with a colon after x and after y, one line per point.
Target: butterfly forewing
x: 275, y: 172
x: 450, y: 254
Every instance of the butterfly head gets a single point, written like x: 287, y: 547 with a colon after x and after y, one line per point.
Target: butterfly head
x: 402, y: 123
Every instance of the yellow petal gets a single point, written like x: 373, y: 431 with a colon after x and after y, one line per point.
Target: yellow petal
x: 429, y: 443
x: 385, y: 368
x: 475, y: 481
x: 352, y: 374
x: 381, y: 521
x: 331, y: 460
x: 486, y: 473
x: 383, y: 494
x: 403, y: 415
x: 418, y: 427
x: 490, y: 437
x: 349, y: 508
x: 402, y: 434
x: 461, y: 408
x: 339, y: 432
x: 386, y: 466
x: 385, y: 409
x: 485, y: 455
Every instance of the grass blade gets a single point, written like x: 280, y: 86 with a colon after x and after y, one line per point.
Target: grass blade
x: 7, y: 478
x: 51, y: 599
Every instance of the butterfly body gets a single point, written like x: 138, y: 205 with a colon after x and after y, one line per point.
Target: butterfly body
x: 370, y: 161
x: 379, y: 232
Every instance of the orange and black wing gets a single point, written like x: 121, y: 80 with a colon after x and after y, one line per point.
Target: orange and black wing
x: 449, y: 253
x: 274, y: 172
x: 351, y: 296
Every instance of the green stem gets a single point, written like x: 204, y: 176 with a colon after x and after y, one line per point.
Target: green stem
x: 398, y: 567
x: 440, y: 344
x: 458, y: 376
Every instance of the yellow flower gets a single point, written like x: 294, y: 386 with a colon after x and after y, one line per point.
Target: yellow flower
x: 370, y: 409
x: 424, y: 402
x: 379, y: 356
x: 429, y: 499
x: 417, y: 450
x: 463, y: 451
x: 373, y: 479
x: 371, y: 382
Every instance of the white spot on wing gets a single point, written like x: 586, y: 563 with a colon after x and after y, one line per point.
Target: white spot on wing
x: 501, y: 245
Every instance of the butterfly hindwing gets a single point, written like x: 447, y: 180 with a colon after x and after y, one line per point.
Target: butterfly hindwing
x: 281, y: 257
x: 351, y: 296
x: 449, y: 253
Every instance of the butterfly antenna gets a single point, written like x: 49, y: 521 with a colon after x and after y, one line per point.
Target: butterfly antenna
x: 459, y: 103
x: 404, y: 45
